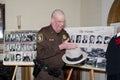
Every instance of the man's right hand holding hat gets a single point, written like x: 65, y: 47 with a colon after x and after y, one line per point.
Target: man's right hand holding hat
x: 67, y: 45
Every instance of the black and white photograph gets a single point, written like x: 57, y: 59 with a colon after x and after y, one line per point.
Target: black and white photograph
x: 20, y: 47
x: 20, y: 36
x: 72, y: 38
x: 101, y: 63
x: 19, y: 58
x: 78, y: 38
x: 93, y: 41
x: 106, y: 39
x: 99, y: 39
x: 85, y: 39
x: 92, y: 61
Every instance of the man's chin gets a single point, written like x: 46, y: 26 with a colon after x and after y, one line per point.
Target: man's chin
x: 58, y: 31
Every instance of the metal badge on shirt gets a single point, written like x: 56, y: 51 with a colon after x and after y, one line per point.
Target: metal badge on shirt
x: 64, y: 37
x: 40, y: 37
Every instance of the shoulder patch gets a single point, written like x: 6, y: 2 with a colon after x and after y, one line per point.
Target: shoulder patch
x: 40, y: 37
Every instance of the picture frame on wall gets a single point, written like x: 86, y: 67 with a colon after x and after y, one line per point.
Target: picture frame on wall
x: 2, y: 26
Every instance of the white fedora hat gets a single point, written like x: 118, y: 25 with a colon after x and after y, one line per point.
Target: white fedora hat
x: 74, y: 56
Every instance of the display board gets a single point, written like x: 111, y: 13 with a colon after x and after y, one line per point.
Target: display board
x: 93, y: 41
x: 19, y: 47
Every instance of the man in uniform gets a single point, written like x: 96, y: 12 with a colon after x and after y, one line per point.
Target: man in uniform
x: 52, y: 41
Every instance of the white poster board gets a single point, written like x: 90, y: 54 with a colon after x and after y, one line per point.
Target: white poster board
x: 19, y: 47
x: 93, y: 41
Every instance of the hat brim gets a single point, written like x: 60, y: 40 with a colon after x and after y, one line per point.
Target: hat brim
x: 74, y: 62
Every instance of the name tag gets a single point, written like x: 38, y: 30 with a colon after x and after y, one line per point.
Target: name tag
x: 51, y: 39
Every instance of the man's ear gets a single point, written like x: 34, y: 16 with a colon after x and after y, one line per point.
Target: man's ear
x: 52, y: 20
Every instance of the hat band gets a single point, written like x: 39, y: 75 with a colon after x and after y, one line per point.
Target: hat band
x: 74, y: 59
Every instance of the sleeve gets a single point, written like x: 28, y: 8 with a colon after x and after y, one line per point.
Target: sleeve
x: 110, y: 49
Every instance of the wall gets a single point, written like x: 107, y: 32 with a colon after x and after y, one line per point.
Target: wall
x: 1, y: 1
x: 106, y: 5
x: 37, y: 13
x: 94, y: 12
x: 91, y: 13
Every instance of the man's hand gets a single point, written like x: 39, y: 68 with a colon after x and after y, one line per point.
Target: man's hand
x: 67, y: 45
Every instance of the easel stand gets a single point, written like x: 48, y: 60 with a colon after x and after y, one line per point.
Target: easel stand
x: 28, y: 64
x: 69, y: 75
x: 92, y: 77
x: 14, y: 74
x: 91, y: 71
